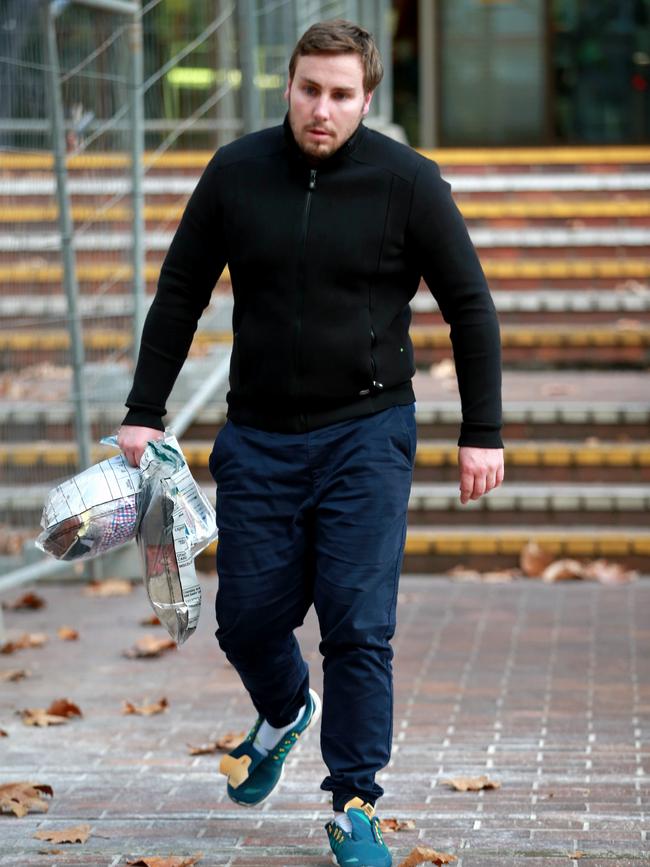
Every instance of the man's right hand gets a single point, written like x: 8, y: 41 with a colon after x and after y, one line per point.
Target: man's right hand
x: 133, y: 440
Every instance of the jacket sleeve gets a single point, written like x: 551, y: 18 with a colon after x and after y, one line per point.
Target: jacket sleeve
x: 192, y: 266
x: 441, y: 250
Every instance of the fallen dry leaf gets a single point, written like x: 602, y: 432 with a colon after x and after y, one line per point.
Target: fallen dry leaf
x: 471, y: 784
x: 12, y: 675
x: 146, y: 709
x: 23, y: 798
x: 27, y: 600
x: 422, y: 855
x: 26, y: 640
x: 67, y: 633
x: 562, y: 570
x: 109, y: 587
x: 152, y: 620
x: 224, y: 744
x: 167, y: 861
x: 461, y: 573
x: 533, y: 559
x: 608, y: 573
x: 78, y: 834
x: 148, y: 645
x: 391, y: 825
x: 63, y: 707
x: 501, y: 576
x: 4, y: 734
x: 576, y: 855
x: 230, y: 740
x: 38, y: 716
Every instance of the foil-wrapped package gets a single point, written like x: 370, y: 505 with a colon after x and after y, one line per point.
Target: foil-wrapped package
x: 159, y: 504
x: 176, y: 523
x: 92, y: 512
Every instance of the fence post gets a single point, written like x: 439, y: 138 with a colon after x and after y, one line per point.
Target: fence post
x: 67, y: 238
x: 248, y: 42
x: 137, y: 171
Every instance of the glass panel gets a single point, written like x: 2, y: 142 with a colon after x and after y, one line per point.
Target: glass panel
x: 492, y: 72
x: 601, y: 59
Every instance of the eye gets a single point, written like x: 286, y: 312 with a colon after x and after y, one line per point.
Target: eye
x: 309, y: 89
x: 340, y: 96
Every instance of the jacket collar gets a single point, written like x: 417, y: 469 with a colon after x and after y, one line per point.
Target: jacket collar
x: 346, y: 148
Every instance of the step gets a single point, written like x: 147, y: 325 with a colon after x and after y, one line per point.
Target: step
x: 556, y: 301
x: 588, y: 273
x: 540, y: 419
x: 27, y: 241
x: 472, y: 209
x: 439, y: 548
x: 513, y: 504
x: 423, y: 337
x: 532, y: 503
x: 463, y: 184
x: 484, y: 159
x: 436, y: 461
x: 436, y: 548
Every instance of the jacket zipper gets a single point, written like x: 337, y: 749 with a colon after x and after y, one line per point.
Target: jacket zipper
x: 301, y: 289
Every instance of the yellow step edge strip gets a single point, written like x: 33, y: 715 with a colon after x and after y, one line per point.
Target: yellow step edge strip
x: 538, y: 155
x: 445, y: 156
x: 502, y: 269
x: 559, y: 336
x: 427, y: 455
x: 472, y: 210
x: 570, y: 545
x: 109, y: 271
x: 431, y: 338
x: 578, y: 545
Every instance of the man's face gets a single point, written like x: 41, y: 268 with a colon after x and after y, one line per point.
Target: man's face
x: 326, y: 101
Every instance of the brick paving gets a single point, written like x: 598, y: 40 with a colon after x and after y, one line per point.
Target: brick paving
x: 544, y: 688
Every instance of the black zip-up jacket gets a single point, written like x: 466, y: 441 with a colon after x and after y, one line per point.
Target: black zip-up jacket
x: 324, y: 260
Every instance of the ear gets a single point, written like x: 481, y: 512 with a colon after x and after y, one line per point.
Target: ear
x: 367, y: 99
x: 287, y: 91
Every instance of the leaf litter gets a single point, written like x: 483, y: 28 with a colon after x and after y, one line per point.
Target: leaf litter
x: 23, y: 642
x: 149, y: 646
x: 22, y: 798
x: 222, y: 745
x: 78, y: 834
x: 157, y: 707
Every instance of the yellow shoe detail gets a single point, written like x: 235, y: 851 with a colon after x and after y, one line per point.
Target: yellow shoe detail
x: 235, y: 769
x: 358, y: 804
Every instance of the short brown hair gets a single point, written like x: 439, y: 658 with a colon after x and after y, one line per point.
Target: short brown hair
x: 341, y: 37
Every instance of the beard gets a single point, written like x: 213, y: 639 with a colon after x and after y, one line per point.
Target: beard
x: 314, y: 149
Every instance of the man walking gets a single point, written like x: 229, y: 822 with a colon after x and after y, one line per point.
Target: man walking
x: 327, y: 228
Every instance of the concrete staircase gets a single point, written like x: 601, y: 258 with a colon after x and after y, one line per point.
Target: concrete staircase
x: 564, y: 238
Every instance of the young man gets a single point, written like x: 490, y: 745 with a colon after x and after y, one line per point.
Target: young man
x: 327, y: 228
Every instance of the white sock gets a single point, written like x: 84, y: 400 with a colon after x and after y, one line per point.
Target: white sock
x: 267, y: 737
x: 343, y: 821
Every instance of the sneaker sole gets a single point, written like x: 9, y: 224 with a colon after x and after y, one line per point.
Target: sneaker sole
x: 314, y: 718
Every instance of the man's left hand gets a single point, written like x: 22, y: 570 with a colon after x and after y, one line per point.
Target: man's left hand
x: 481, y: 470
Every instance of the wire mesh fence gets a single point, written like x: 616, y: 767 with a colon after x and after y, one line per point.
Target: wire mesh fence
x: 206, y: 66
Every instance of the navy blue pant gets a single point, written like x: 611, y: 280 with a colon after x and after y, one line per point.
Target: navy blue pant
x: 317, y: 518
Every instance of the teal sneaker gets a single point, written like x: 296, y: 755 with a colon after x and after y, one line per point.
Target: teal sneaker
x: 253, y: 776
x: 364, y: 846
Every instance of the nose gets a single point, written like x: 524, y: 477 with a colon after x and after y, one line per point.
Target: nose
x: 321, y: 109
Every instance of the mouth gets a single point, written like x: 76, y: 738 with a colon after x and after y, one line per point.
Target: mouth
x: 319, y: 133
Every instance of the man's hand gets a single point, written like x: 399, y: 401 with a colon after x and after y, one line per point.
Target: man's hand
x: 133, y: 440
x: 481, y: 470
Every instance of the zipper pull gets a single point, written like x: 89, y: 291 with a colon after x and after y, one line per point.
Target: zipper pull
x: 312, y: 179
